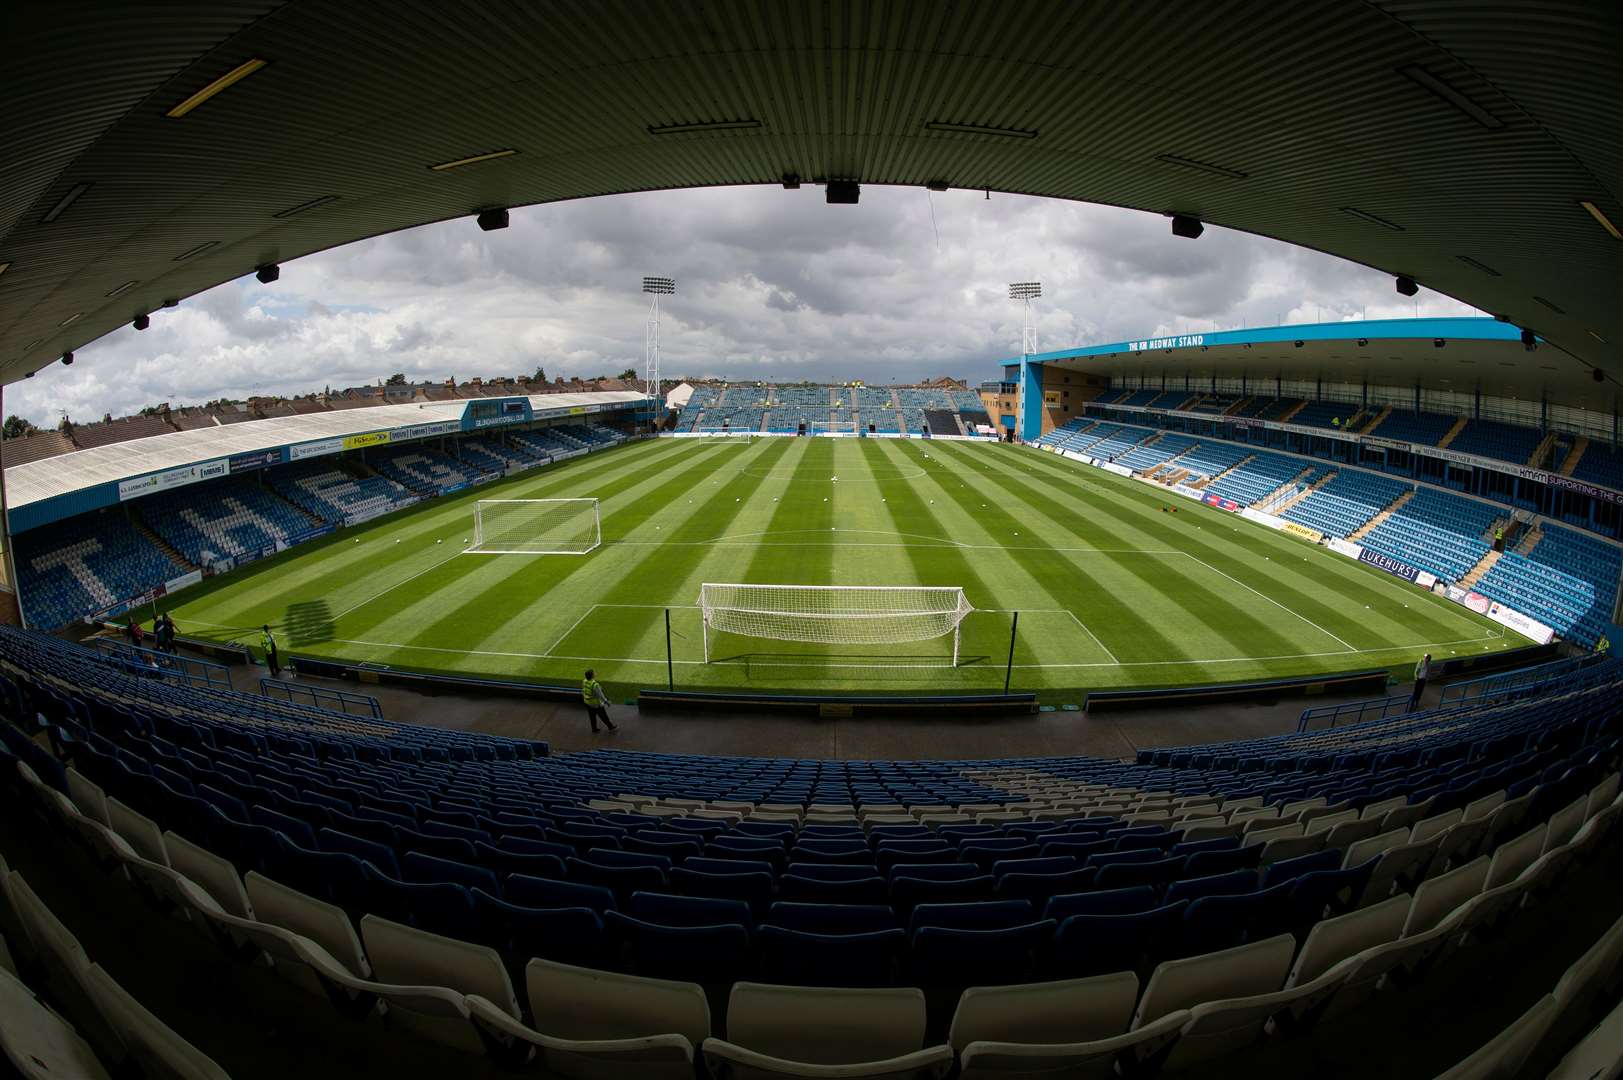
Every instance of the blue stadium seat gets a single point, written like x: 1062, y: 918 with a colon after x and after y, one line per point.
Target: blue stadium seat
x: 801, y: 958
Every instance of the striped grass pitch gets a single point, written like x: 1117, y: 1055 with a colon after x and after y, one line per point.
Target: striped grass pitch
x: 1112, y: 589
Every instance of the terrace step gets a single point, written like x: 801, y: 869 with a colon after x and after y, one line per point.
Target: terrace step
x: 1238, y: 406
x: 1237, y: 465
x: 1578, y: 449
x: 1292, y: 411
x: 1530, y: 539
x: 1275, y: 493
x: 1382, y: 415
x: 1453, y: 432
x: 1546, y: 447
x: 1477, y: 572
x: 160, y: 543
x: 1304, y: 493
x: 1380, y: 516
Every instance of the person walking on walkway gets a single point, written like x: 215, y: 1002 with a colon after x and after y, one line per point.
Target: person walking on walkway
x: 597, y: 702
x: 267, y: 641
x: 1422, y: 671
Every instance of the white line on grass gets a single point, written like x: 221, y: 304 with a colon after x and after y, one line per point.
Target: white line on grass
x: 393, y: 587
x: 571, y: 629
x: 1092, y: 635
x: 1272, y: 601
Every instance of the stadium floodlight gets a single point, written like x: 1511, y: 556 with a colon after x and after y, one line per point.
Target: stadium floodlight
x: 1025, y: 290
x: 536, y: 527
x: 655, y: 287
x: 877, y: 615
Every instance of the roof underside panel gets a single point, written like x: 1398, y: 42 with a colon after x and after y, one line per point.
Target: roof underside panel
x: 1455, y: 131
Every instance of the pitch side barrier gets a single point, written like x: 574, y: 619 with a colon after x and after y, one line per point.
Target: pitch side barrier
x: 432, y: 682
x: 321, y: 697
x: 834, y: 707
x: 1345, y: 683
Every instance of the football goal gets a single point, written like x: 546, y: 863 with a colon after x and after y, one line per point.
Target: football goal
x: 834, y: 614
x: 535, y: 527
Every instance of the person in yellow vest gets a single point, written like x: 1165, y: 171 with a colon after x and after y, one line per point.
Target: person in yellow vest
x: 1603, y: 646
x: 597, y: 702
x: 1499, y: 538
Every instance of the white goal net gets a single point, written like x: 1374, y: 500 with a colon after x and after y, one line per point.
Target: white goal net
x: 834, y: 614
x: 535, y: 527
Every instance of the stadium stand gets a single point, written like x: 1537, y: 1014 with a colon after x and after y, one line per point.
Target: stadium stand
x: 1426, y: 429
x: 420, y: 469
x: 1261, y: 476
x: 1567, y: 581
x: 1445, y: 534
x: 1212, y: 886
x: 1347, y: 501
x: 334, y: 495
x: 85, y: 564
x: 1495, y: 439
x: 1321, y: 413
x: 234, y: 517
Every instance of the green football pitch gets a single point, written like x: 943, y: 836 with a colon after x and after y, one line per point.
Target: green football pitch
x: 1112, y: 589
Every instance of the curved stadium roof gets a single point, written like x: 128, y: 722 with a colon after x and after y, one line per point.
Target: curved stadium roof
x: 1476, y: 148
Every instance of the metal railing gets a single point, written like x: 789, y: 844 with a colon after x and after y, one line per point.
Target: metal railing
x: 1352, y: 712
x: 170, y: 667
x: 1522, y: 680
x: 321, y: 697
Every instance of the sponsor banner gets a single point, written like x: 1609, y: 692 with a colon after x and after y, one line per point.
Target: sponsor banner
x: 370, y: 438
x: 1522, y: 624
x: 175, y: 584
x: 1221, y: 503
x: 172, y: 478
x: 1425, y: 579
x: 1344, y: 547
x: 1112, y: 467
x: 1262, y: 518
x: 1385, y: 444
x: 259, y: 459
x: 1310, y: 535
x: 426, y: 431
x: 361, y: 516
x: 451, y: 488
x: 1477, y: 602
x: 1189, y: 492
x: 1182, y: 341
x: 1395, y: 567
x: 314, y: 449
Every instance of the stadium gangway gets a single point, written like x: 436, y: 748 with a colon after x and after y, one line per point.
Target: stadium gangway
x: 1353, y: 712
x: 1503, y: 682
x: 166, y: 666
x: 321, y: 697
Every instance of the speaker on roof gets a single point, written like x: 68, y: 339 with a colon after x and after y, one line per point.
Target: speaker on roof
x: 1406, y: 286
x: 843, y: 193
x: 490, y: 220
x: 1187, y: 227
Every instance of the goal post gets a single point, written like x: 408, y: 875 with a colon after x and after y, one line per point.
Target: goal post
x: 535, y: 527
x: 834, y: 614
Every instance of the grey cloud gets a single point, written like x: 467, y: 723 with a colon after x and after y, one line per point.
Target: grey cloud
x: 771, y: 283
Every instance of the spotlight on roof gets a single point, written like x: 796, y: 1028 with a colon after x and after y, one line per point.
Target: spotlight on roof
x: 1187, y: 227
x: 67, y: 358
x: 490, y: 220
x: 1298, y: 343
x: 1407, y: 286
x: 28, y: 374
x: 1438, y: 343
x: 936, y: 185
x: 791, y: 181
x: 1529, y: 339
x: 1025, y: 290
x: 172, y: 301
x: 141, y: 322
x: 842, y: 193
x: 267, y: 273
x: 1362, y: 342
x: 1597, y: 374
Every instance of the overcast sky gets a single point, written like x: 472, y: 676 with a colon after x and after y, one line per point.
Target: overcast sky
x: 771, y: 284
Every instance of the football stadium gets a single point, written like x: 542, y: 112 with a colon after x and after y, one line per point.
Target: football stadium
x: 1209, y: 702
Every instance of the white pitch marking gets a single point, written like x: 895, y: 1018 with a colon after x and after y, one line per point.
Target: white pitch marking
x: 1272, y: 601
